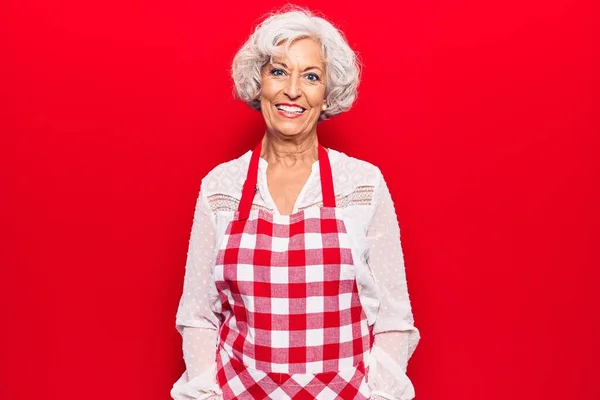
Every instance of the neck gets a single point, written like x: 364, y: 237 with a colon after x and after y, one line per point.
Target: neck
x: 289, y: 151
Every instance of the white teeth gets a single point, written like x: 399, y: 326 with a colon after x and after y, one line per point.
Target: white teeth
x: 290, y: 109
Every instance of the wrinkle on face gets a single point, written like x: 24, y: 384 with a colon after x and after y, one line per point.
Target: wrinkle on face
x: 290, y: 78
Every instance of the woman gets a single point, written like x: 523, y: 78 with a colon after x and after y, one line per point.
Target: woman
x: 295, y: 283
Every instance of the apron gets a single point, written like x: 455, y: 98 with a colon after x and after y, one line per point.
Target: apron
x: 292, y: 325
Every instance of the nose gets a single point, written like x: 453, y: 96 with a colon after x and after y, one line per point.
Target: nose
x: 292, y: 87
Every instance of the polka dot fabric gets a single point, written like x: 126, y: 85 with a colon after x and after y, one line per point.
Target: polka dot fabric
x: 370, y: 218
x: 395, y: 335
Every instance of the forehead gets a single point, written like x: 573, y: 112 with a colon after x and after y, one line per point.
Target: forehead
x: 302, y: 52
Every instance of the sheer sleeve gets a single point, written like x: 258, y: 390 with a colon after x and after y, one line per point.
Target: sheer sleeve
x: 195, y: 320
x: 396, y: 337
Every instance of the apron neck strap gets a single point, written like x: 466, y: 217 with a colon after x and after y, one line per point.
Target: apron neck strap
x: 249, y: 189
x: 326, y: 178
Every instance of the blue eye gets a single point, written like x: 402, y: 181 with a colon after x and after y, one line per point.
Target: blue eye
x: 277, y: 72
x: 313, y: 77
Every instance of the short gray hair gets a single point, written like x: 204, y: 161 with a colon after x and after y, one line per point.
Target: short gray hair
x: 343, y: 67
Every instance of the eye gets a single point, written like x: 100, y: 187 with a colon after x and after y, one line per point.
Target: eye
x: 313, y: 77
x: 277, y: 72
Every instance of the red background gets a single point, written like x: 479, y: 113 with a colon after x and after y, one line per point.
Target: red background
x: 482, y: 116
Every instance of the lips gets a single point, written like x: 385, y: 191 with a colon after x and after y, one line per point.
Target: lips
x: 290, y: 109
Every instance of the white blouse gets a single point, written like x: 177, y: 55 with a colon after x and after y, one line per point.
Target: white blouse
x: 370, y: 218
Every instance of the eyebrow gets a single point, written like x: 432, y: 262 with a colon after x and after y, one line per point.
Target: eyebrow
x: 305, y: 69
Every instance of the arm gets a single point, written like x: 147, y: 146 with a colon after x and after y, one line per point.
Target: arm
x: 396, y: 337
x: 195, y: 320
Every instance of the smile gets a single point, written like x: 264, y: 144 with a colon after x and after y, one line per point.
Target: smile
x: 290, y: 111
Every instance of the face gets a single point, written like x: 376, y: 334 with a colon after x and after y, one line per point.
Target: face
x: 293, y: 89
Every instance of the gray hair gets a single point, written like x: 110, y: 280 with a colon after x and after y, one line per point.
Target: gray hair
x: 343, y: 68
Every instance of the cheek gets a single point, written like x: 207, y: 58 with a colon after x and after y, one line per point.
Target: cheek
x: 268, y: 89
x: 316, y: 97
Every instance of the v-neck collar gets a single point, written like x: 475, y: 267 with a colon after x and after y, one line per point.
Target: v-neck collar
x: 263, y: 188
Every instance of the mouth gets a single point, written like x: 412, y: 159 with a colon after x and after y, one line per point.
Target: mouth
x: 290, y: 110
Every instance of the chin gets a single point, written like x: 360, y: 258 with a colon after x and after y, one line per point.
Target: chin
x: 289, y: 133
x: 288, y: 130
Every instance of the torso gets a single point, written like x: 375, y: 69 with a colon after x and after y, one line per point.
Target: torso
x: 293, y: 323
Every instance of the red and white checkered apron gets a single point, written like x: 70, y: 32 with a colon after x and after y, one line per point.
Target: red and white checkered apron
x: 292, y: 323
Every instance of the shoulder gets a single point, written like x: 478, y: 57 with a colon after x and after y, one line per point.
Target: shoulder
x: 357, y: 182
x: 350, y: 173
x: 226, y: 178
